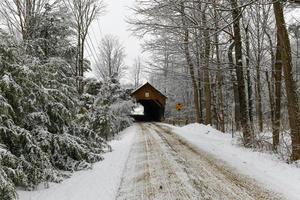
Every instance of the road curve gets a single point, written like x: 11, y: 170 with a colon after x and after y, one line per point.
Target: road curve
x: 163, y: 166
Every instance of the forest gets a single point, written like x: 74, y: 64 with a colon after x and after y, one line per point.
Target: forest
x: 53, y: 120
x: 233, y: 64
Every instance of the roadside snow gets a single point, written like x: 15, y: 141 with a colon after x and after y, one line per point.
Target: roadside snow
x: 265, y: 168
x: 102, y: 182
x: 138, y: 110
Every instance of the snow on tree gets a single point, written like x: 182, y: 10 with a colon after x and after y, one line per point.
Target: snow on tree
x: 109, y: 106
x: 41, y: 140
x: 39, y: 101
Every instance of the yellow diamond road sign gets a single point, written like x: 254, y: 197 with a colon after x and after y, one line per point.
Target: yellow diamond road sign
x: 179, y: 106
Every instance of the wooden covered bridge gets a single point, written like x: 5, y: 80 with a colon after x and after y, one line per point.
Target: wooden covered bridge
x: 153, y: 102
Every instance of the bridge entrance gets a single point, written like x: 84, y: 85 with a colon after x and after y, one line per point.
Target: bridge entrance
x: 153, y: 102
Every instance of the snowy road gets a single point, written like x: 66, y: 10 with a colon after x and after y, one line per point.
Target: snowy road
x: 161, y: 165
x: 153, y: 162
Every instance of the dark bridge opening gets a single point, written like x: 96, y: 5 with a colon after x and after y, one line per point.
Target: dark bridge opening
x: 152, y: 112
x: 153, y: 102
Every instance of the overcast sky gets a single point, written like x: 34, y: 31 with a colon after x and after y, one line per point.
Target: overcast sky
x: 114, y: 23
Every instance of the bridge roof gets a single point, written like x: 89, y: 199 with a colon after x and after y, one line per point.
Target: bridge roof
x: 147, y: 93
x: 144, y: 87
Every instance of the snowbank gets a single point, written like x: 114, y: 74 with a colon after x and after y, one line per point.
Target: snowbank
x: 101, y: 182
x: 265, y: 168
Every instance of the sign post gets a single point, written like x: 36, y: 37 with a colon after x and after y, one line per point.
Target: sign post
x: 179, y: 107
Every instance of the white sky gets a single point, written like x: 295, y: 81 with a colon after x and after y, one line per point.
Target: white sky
x: 114, y: 23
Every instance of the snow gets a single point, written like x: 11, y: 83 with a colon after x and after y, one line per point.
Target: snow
x: 6, y: 79
x: 2, y: 149
x: 138, y: 110
x: 265, y: 168
x: 90, y: 75
x: 102, y: 182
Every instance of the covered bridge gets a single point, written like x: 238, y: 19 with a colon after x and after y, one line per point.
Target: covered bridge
x: 153, y: 102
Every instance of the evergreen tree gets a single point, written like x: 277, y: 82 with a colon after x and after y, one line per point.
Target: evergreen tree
x: 109, y: 106
x: 39, y: 104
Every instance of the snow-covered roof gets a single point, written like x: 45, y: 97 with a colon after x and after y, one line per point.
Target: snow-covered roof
x: 139, y: 88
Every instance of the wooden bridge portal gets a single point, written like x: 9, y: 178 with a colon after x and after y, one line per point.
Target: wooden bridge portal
x: 153, y: 102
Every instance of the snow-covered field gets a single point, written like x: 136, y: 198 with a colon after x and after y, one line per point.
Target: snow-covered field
x: 267, y: 169
x: 100, y: 183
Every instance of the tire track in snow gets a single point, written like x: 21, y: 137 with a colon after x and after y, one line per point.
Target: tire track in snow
x: 163, y: 166
x: 217, y: 180
x: 155, y: 176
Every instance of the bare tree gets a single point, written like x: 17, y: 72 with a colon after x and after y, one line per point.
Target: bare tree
x: 236, y: 15
x: 277, y: 95
x: 290, y: 84
x: 220, y: 101
x: 207, y: 85
x: 84, y: 12
x: 111, y: 58
x: 198, y: 34
x: 137, y: 71
x: 21, y: 16
x: 189, y: 61
x: 249, y: 81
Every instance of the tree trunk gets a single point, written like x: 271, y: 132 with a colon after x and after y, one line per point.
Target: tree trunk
x: 219, y: 73
x: 258, y: 80
x: 236, y: 14
x: 275, y: 89
x: 190, y: 62
x: 199, y: 82
x: 80, y: 67
x: 277, y: 98
x: 77, y: 70
x: 271, y: 99
x: 207, y: 86
x: 235, y: 88
x: 249, y: 85
x: 290, y: 84
x: 258, y: 97
x: 214, y: 105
